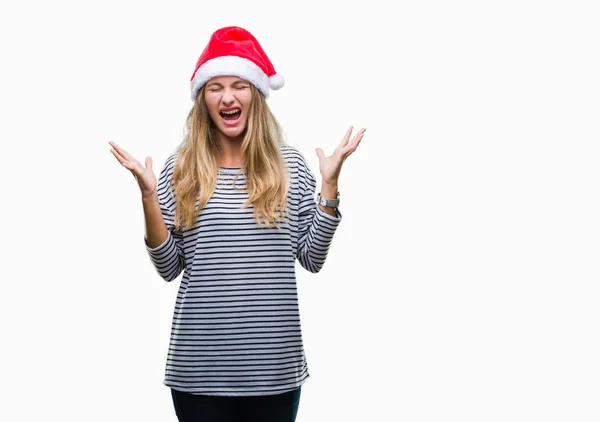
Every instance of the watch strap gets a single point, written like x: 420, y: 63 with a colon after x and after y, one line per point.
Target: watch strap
x: 329, y: 202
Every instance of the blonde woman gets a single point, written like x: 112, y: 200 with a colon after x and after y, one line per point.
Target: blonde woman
x: 233, y: 208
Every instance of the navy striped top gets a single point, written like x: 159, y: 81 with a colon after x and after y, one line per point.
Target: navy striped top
x: 236, y: 325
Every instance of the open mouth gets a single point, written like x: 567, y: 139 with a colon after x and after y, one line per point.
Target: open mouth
x: 231, y: 117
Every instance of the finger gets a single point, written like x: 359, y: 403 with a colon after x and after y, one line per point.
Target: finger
x: 346, y: 137
x: 124, y: 162
x: 355, y: 141
x: 320, y: 154
x: 132, y: 169
x: 129, y: 166
x: 355, y: 146
x: 352, y: 148
x: 121, y: 151
x: 114, y: 146
x: 358, y: 136
x: 348, y: 154
x: 118, y: 156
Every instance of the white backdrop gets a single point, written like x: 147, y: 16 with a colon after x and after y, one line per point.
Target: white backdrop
x: 463, y: 282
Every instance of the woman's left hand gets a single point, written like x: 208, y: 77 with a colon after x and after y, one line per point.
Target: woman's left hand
x: 331, y: 166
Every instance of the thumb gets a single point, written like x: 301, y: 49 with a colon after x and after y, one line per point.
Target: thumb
x: 149, y: 163
x: 320, y: 153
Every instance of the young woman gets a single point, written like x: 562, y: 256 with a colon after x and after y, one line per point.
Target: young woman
x: 233, y: 208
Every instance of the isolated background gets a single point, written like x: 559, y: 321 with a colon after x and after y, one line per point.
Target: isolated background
x: 463, y: 281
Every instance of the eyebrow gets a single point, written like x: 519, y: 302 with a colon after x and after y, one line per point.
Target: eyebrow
x: 239, y: 81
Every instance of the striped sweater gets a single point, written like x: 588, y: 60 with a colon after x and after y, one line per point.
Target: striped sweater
x: 236, y: 325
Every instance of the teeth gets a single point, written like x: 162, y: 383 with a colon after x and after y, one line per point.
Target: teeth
x: 231, y: 111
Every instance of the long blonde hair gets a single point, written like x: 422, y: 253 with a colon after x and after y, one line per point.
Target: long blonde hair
x: 196, y: 169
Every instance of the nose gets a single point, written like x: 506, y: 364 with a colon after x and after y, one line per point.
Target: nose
x: 228, y: 96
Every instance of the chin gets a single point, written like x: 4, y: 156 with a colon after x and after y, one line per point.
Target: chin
x: 233, y: 132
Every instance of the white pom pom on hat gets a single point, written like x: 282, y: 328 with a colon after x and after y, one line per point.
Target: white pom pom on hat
x: 233, y: 51
x: 276, y: 81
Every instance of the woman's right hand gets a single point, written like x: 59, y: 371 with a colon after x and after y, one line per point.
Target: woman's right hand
x: 144, y: 175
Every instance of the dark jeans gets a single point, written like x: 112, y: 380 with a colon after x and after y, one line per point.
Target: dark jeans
x: 203, y: 408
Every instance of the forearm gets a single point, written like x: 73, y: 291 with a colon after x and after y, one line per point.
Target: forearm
x: 156, y: 229
x: 328, y: 190
x: 317, y: 231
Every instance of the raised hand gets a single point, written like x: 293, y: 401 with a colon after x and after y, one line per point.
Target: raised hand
x: 331, y: 166
x: 144, y: 175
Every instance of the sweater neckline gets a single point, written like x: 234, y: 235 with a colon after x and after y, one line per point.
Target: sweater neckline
x: 230, y: 170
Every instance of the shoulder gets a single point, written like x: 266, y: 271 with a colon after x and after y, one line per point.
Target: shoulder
x: 300, y: 172
x: 169, y: 165
x: 171, y: 160
x: 293, y: 157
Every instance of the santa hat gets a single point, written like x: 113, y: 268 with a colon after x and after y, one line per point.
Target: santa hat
x: 233, y: 51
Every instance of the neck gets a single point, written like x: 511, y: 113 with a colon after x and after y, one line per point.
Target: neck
x: 231, y: 151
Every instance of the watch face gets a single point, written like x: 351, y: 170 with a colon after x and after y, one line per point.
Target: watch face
x: 327, y: 202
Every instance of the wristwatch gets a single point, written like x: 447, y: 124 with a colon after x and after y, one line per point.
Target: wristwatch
x: 327, y: 202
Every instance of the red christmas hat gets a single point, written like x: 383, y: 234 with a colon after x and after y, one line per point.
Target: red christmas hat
x: 233, y: 51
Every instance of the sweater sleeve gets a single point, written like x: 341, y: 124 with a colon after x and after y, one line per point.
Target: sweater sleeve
x: 315, y: 227
x: 169, y: 257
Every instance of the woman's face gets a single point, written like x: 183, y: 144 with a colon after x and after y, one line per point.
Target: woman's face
x: 228, y: 100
